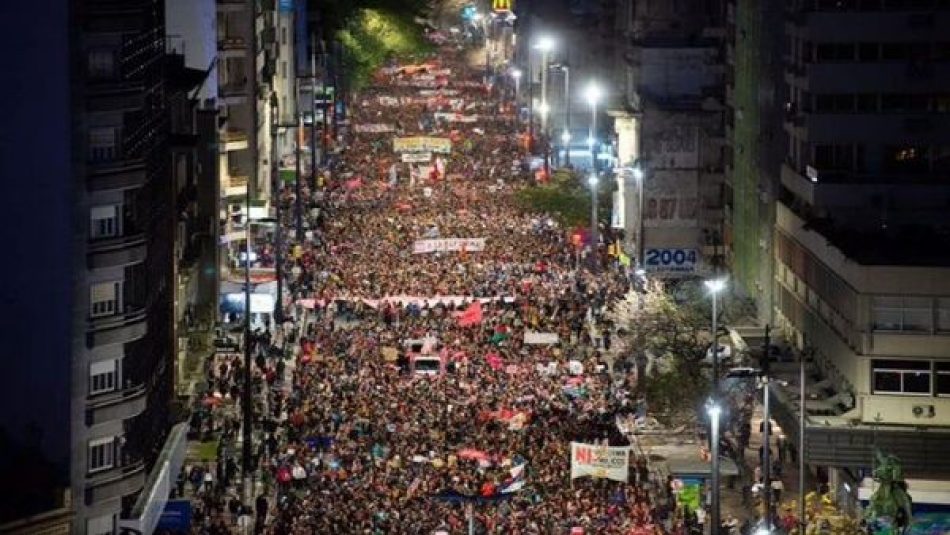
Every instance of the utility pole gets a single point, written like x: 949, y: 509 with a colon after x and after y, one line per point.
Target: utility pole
x: 298, y: 190
x: 313, y: 113
x: 567, y: 114
x: 275, y: 195
x: 766, y: 432
x: 246, y: 410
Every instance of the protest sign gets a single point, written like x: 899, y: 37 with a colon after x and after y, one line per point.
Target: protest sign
x: 374, y: 128
x: 456, y: 117
x: 416, y: 157
x: 448, y: 245
x: 538, y: 338
x: 608, y: 462
x: 422, y: 144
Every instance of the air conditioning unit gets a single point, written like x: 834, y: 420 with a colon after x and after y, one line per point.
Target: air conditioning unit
x: 924, y: 411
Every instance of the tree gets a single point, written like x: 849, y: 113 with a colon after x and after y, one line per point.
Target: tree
x: 669, y: 341
x: 891, y: 499
x: 566, y: 199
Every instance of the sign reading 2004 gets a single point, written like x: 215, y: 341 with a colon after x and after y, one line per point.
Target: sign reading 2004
x: 679, y: 260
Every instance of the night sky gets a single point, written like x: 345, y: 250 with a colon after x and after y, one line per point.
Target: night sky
x: 35, y: 172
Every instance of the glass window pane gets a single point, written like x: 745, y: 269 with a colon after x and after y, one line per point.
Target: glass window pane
x: 943, y: 384
x: 887, y: 320
x: 917, y: 382
x: 887, y: 382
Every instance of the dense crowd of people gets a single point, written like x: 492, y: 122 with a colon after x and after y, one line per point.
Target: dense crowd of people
x: 356, y: 438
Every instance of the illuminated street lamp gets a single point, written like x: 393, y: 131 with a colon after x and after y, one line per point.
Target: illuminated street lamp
x: 593, y: 94
x: 714, y: 411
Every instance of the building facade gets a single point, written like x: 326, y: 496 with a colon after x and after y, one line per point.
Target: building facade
x: 670, y: 124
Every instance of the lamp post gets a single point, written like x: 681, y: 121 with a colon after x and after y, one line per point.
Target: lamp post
x: 593, y: 95
x: 545, y: 45
x: 516, y: 76
x: 592, y: 181
x: 566, y: 143
x: 275, y: 192
x: 714, y: 412
x: 639, y: 175
x: 715, y: 286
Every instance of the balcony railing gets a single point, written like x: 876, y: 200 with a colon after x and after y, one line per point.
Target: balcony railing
x: 118, y: 251
x: 119, y: 405
x: 120, y: 328
x: 115, y: 482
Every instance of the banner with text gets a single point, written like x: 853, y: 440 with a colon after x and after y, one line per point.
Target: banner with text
x: 422, y: 144
x: 374, y: 128
x: 540, y: 338
x: 608, y: 462
x: 416, y: 157
x: 448, y: 245
x: 456, y: 117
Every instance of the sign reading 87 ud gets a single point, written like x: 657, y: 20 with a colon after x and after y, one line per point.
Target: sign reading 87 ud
x: 679, y: 260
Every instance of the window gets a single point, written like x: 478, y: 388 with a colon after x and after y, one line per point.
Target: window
x: 909, y: 377
x: 942, y: 378
x: 869, y: 51
x: 101, y: 64
x: 829, y: 52
x: 103, y: 144
x: 283, y: 69
x: 100, y: 525
x: 834, y: 157
x: 909, y: 314
x: 104, y: 221
x: 102, y: 377
x: 104, y: 299
x: 283, y: 36
x: 866, y: 102
x: 101, y: 454
x: 906, y: 159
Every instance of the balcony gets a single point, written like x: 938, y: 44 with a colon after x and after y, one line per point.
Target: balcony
x: 234, y: 140
x: 232, y: 6
x: 118, y: 329
x: 230, y: 47
x: 116, y: 174
x: 115, y: 483
x: 115, y: 95
x: 120, y: 405
x: 233, y: 92
x: 113, y: 252
x: 234, y: 186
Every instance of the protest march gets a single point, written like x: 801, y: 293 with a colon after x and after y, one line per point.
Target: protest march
x: 448, y: 370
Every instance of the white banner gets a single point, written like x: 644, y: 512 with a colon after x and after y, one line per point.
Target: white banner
x: 374, y: 128
x: 456, y: 117
x: 438, y: 92
x: 416, y: 157
x: 539, y: 338
x: 447, y: 245
x: 599, y: 461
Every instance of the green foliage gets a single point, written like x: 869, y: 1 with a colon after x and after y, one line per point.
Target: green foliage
x: 566, y: 199
x: 373, y: 36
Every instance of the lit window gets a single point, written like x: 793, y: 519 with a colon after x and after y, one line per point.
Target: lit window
x: 104, y: 299
x: 102, y: 377
x: 101, y: 454
x: 104, y: 221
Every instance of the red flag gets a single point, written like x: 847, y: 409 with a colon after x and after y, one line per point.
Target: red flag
x: 471, y: 315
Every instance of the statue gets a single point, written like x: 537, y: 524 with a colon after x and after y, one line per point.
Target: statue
x: 891, y: 499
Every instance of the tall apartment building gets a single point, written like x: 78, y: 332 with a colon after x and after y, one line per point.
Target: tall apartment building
x: 671, y: 122
x: 99, y: 189
x: 755, y: 97
x: 248, y: 51
x: 844, y: 215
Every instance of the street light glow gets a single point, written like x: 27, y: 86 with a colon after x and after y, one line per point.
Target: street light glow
x: 592, y: 180
x: 592, y: 93
x: 714, y: 411
x: 565, y: 137
x: 591, y: 141
x: 715, y: 285
x: 477, y: 17
x: 763, y: 531
x: 638, y: 173
x: 516, y: 73
x: 545, y: 43
x: 543, y: 108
